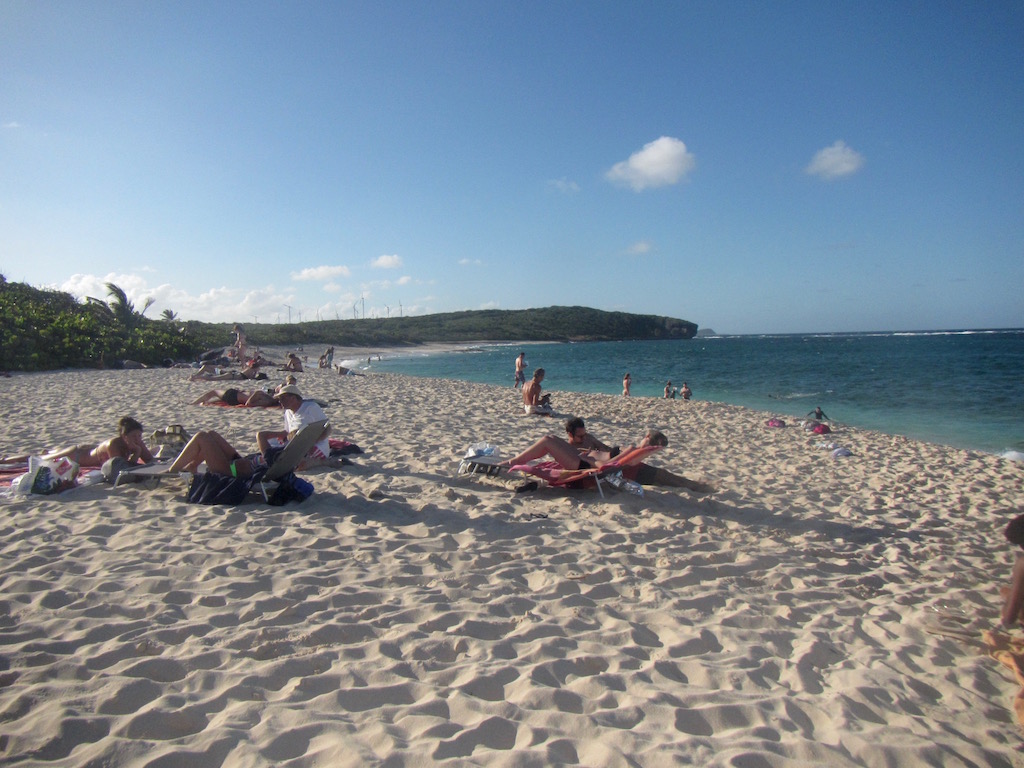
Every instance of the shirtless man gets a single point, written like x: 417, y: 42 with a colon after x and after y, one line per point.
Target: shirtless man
x: 127, y: 445
x: 520, y: 379
x: 533, y: 401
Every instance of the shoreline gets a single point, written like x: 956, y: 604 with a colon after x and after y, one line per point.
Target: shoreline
x: 811, y: 610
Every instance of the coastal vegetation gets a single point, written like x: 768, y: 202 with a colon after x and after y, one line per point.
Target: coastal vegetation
x: 44, y: 329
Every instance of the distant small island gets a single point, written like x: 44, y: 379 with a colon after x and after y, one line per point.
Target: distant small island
x: 48, y: 330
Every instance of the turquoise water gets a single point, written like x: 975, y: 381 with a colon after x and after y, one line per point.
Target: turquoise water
x: 958, y: 388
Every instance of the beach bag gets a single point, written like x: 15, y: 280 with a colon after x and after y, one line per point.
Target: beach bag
x: 775, y: 423
x: 821, y: 429
x: 214, y: 488
x: 46, y: 476
x: 168, y: 442
x: 290, y: 488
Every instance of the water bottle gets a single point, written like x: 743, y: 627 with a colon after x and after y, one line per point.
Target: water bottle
x: 616, y: 480
x: 631, y: 486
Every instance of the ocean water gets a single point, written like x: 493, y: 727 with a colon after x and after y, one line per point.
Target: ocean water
x: 959, y: 388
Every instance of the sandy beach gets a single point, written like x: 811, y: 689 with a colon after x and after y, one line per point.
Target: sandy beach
x: 811, y: 611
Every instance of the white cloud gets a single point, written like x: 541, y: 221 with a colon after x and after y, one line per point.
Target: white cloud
x: 564, y: 185
x: 663, y: 162
x: 12, y: 124
x: 639, y: 248
x: 404, y: 280
x: 387, y: 262
x: 835, y: 162
x: 320, y: 273
x: 216, y: 305
x: 470, y: 262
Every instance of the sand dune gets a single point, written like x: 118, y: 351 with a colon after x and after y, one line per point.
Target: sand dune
x: 811, y: 611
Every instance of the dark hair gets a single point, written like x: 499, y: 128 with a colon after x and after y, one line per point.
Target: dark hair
x: 538, y: 372
x: 127, y: 425
x: 1015, y: 531
x: 573, y: 424
x: 655, y: 437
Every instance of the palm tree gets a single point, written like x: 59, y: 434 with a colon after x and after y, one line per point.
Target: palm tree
x: 120, y: 306
x: 123, y: 309
x: 169, y: 315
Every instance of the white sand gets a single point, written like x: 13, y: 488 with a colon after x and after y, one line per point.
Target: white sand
x: 406, y: 616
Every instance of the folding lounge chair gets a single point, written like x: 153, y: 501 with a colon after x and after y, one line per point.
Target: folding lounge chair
x: 558, y: 476
x: 481, y: 459
x: 289, y: 459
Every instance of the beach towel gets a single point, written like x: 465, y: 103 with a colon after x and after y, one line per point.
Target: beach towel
x: 1008, y: 650
x: 343, y: 448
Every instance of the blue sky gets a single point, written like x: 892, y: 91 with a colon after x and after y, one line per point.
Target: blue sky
x: 753, y: 167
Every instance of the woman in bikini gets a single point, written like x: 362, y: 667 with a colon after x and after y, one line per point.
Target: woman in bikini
x: 128, y: 444
x: 257, y: 399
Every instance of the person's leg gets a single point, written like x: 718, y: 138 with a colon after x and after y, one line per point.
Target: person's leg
x: 80, y: 454
x: 560, y: 450
x: 205, y: 446
x: 648, y: 475
x: 208, y: 397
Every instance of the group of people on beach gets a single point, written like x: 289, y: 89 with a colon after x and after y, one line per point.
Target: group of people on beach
x: 207, y: 446
x: 531, y: 390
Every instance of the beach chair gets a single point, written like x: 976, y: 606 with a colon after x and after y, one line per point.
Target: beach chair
x: 558, y: 476
x: 291, y: 456
x: 481, y: 458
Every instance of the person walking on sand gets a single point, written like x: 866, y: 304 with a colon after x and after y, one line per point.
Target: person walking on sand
x: 520, y: 377
x: 670, y: 392
x: 684, y: 391
x: 626, y: 381
x: 818, y: 414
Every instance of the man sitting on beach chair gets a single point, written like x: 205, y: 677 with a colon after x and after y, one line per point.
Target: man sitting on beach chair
x: 299, y: 412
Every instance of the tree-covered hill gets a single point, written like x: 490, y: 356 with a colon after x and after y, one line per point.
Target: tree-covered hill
x: 44, y: 329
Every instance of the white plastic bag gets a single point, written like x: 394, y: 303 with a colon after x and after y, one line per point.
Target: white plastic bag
x: 46, y: 476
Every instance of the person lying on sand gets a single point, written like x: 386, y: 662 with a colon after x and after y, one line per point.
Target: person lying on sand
x: 128, y: 445
x: 256, y: 399
x: 209, y: 372
x: 218, y: 454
